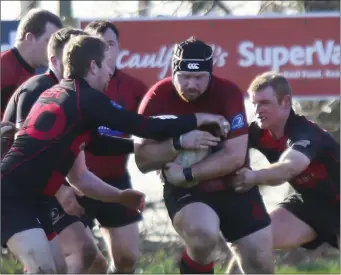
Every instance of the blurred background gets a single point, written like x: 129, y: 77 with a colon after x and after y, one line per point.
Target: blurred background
x: 317, y: 92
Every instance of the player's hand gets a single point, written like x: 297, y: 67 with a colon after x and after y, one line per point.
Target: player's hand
x: 209, y: 119
x: 244, y: 180
x: 173, y: 174
x: 197, y: 139
x: 67, y: 199
x: 132, y: 199
x: 7, y: 129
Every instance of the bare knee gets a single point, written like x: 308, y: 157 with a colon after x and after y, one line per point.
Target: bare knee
x: 91, y: 257
x: 125, y: 260
x: 255, y: 252
x: 201, y: 242
x: 34, y: 264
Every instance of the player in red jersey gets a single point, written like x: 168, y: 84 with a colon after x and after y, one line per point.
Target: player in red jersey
x: 199, y: 213
x: 29, y: 52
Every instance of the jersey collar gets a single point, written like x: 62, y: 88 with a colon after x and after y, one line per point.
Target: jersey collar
x: 22, y: 61
x: 290, y: 120
x: 51, y: 74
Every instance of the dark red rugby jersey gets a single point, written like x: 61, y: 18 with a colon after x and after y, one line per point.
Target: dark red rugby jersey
x: 321, y: 179
x: 14, y: 71
x: 127, y: 91
x: 223, y: 97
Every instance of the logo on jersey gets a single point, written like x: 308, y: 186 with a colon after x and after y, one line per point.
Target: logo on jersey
x: 303, y: 143
x: 55, y: 216
x: 193, y: 66
x: 108, y: 132
x: 237, y: 122
x: 116, y: 105
x: 165, y: 117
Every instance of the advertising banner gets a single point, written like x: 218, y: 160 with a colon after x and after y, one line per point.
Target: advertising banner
x: 305, y: 48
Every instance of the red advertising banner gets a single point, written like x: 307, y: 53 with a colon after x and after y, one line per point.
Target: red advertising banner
x: 305, y: 48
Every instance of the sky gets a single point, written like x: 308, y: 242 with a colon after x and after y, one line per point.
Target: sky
x: 10, y: 10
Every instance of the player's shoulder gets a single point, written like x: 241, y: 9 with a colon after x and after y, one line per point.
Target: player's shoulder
x: 299, y: 126
x: 7, y: 54
x: 7, y: 62
x: 162, y: 88
x: 225, y: 86
x: 163, y: 85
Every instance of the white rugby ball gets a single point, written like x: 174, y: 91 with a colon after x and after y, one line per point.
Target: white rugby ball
x: 187, y: 158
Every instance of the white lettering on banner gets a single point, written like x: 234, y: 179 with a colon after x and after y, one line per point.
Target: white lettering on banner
x: 320, y: 52
x: 161, y: 59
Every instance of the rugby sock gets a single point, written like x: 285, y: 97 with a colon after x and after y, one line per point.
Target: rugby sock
x: 188, y: 266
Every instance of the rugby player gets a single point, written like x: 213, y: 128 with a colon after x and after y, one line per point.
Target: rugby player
x: 29, y: 52
x: 301, y: 153
x: 119, y: 225
x: 200, y: 212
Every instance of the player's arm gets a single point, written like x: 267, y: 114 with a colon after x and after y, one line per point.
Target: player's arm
x: 25, y: 102
x: 291, y: 163
x: 233, y: 154
x: 87, y: 183
x: 158, y: 128
x: 151, y: 155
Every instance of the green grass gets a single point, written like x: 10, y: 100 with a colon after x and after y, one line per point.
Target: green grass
x: 320, y: 266
x: 162, y: 263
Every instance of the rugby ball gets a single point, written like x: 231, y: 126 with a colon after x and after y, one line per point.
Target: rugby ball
x: 187, y: 158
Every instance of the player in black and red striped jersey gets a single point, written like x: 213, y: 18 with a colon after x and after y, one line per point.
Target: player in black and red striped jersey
x: 29, y: 52
x: 301, y: 153
x: 59, y: 126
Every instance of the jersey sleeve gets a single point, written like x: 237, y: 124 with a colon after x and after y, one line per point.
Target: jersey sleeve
x: 113, y: 116
x: 149, y: 105
x: 308, y: 141
x: 25, y: 102
x: 105, y: 145
x: 235, y: 113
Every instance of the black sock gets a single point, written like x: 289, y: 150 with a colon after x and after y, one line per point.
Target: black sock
x: 188, y: 266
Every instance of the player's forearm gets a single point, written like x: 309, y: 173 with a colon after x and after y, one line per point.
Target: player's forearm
x: 275, y: 174
x: 151, y: 157
x: 94, y: 187
x: 217, y: 165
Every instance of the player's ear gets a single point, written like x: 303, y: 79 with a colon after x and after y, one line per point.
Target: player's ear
x: 286, y: 101
x: 30, y: 37
x: 93, y: 67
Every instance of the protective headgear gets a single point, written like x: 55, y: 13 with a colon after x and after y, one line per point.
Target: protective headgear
x: 192, y: 56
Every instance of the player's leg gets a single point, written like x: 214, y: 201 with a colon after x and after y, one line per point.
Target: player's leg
x: 119, y: 226
x: 198, y: 225
x: 123, y: 243
x: 300, y: 221
x: 246, y: 224
x: 77, y: 243
x: 22, y: 233
x: 44, y: 216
